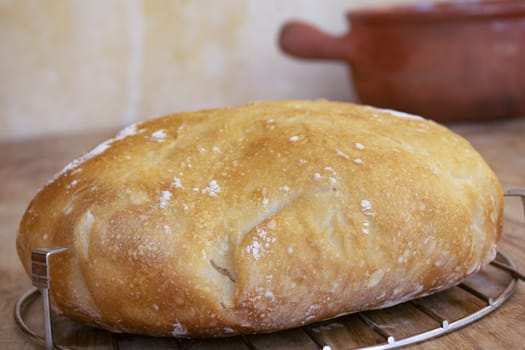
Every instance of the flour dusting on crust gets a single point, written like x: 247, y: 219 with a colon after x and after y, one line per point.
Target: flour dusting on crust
x: 101, y: 148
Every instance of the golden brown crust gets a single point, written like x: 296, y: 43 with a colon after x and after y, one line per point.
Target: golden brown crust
x: 263, y: 217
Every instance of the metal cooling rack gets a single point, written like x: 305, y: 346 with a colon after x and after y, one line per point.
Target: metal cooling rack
x: 479, y: 287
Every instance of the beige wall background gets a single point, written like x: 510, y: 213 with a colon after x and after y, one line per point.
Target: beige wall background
x: 77, y: 65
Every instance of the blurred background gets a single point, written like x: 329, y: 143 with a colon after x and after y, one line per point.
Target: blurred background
x: 73, y: 65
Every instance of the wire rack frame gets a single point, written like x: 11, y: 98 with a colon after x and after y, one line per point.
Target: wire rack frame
x: 443, y: 325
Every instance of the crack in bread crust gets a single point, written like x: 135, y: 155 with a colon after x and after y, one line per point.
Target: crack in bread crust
x: 223, y: 271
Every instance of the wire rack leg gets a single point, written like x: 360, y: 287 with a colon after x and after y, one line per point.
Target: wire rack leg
x: 41, y: 279
x: 514, y: 192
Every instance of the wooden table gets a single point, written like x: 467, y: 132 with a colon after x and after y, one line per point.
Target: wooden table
x: 26, y: 165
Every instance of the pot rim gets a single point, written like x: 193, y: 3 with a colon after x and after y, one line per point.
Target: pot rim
x: 443, y: 11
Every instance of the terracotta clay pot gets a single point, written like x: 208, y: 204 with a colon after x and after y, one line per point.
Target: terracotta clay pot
x: 458, y: 61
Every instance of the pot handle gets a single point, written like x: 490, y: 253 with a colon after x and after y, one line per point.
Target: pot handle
x: 303, y: 40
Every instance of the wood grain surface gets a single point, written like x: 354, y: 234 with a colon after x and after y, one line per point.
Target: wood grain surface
x: 26, y: 165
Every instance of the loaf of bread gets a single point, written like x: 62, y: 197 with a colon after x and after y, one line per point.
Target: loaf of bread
x: 262, y: 217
